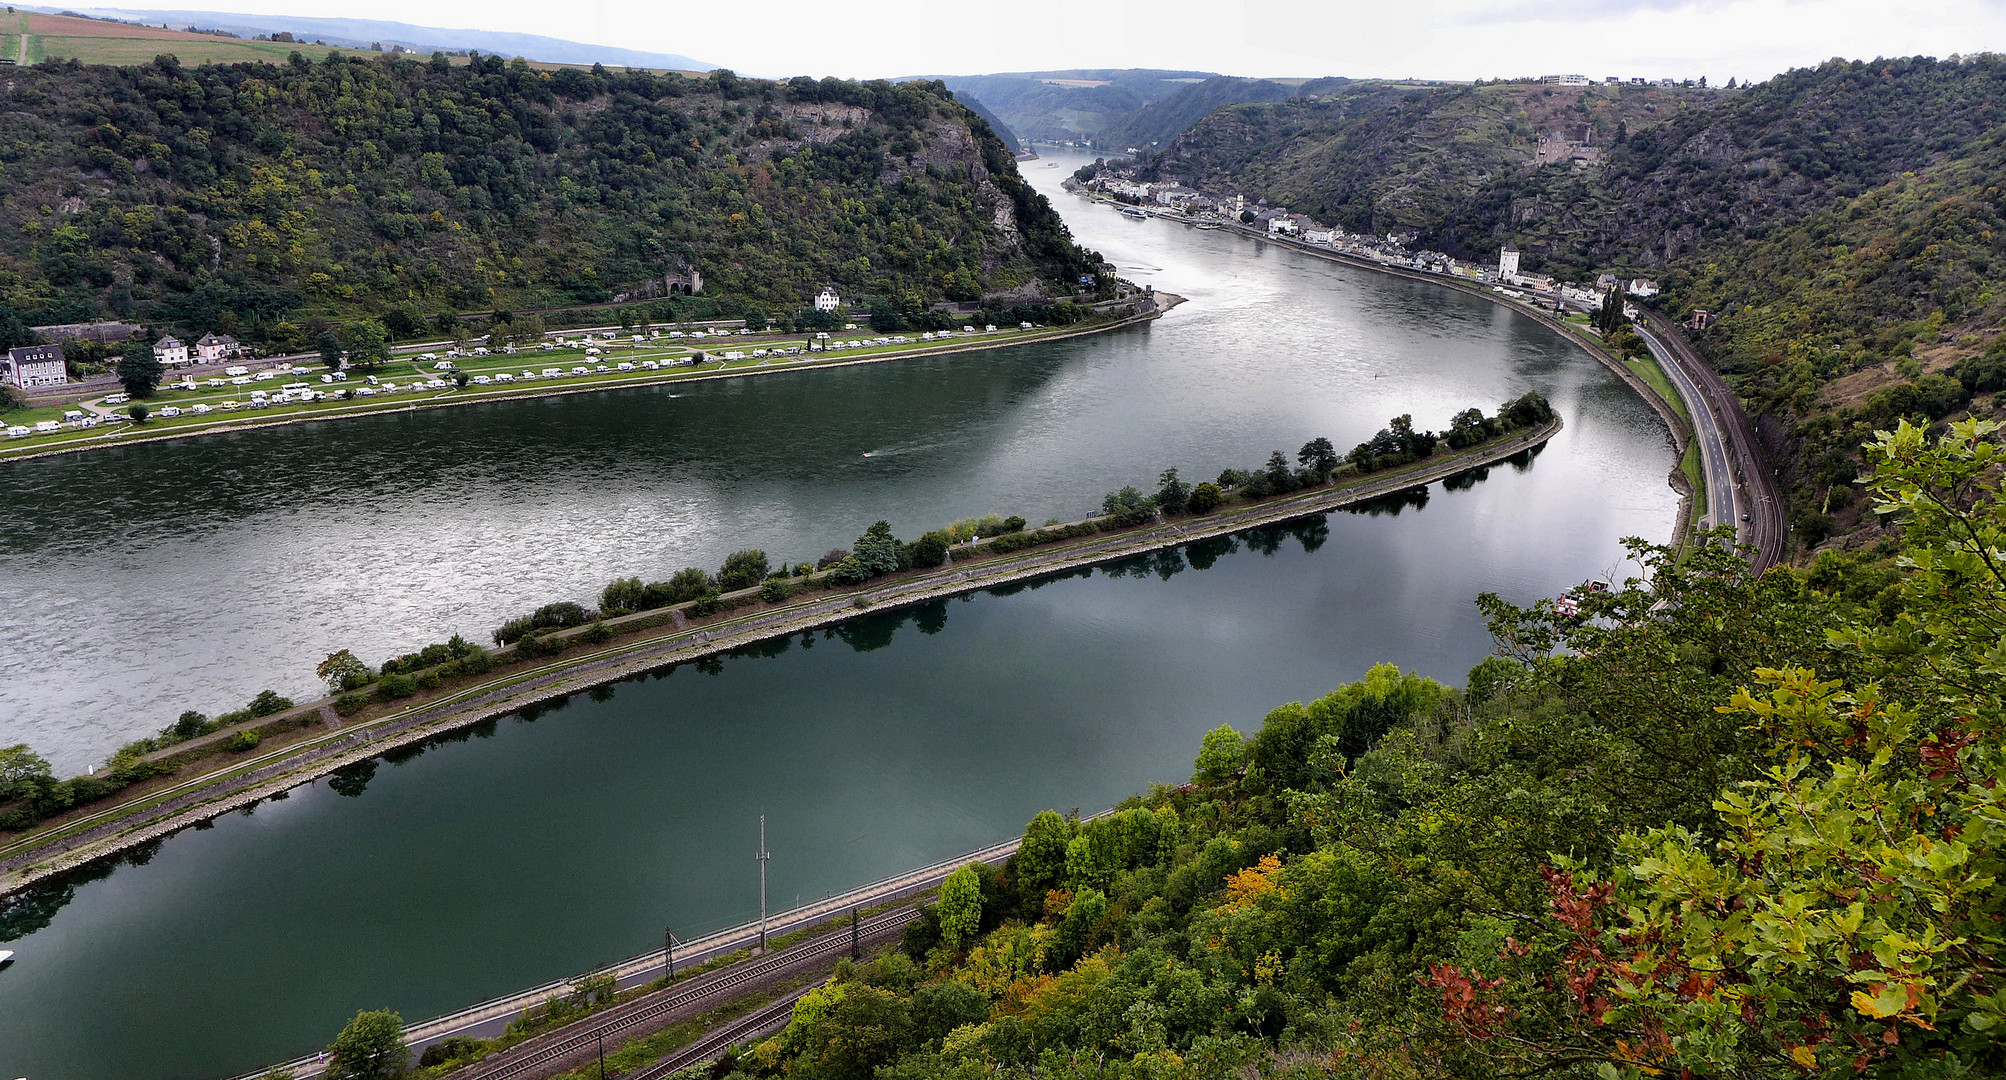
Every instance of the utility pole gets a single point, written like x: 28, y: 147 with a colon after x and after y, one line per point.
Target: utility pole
x: 764, y: 856
x: 669, y: 950
x: 855, y: 953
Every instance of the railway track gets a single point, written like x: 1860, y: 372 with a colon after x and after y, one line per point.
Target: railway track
x: 587, y: 1033
x: 765, y: 1021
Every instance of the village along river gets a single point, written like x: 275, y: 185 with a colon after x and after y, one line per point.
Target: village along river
x: 141, y: 581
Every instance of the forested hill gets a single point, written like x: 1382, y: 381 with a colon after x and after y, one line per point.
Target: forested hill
x: 1161, y: 121
x: 256, y: 199
x: 1843, y: 220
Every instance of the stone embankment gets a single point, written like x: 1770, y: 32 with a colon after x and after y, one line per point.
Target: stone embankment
x: 157, y: 813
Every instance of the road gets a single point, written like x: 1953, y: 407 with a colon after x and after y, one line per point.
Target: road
x: 1740, y: 483
x: 1722, y: 503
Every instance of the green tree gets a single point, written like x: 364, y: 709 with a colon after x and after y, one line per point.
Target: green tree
x: 1222, y: 755
x: 1205, y: 498
x: 929, y: 550
x: 960, y: 907
x: 371, y: 1047
x: 1128, y: 507
x: 367, y: 344
x: 328, y: 344
x: 1040, y: 862
x: 138, y: 371
x: 878, y: 552
x: 743, y: 570
x: 1319, y: 457
x: 20, y: 766
x: 1172, y: 495
x: 138, y: 412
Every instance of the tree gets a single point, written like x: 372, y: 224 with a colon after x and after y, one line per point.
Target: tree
x: 20, y: 766
x: 960, y: 907
x: 929, y: 550
x: 343, y: 672
x: 1172, y: 494
x: 371, y: 1047
x: 742, y: 570
x: 138, y: 412
x: 1281, y: 479
x: 14, y: 330
x: 878, y: 552
x: 1128, y: 507
x: 1221, y: 755
x: 1205, y: 498
x: 1319, y: 457
x: 138, y: 370
x: 329, y: 346
x: 367, y: 344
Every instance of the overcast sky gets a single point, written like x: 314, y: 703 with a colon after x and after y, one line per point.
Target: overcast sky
x: 1438, y: 39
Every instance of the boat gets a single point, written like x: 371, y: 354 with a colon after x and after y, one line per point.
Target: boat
x: 6, y: 957
x: 1207, y: 226
x: 1051, y: 164
x: 1132, y: 212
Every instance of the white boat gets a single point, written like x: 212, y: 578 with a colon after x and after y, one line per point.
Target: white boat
x: 6, y: 957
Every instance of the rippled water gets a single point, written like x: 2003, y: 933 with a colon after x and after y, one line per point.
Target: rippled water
x: 535, y: 848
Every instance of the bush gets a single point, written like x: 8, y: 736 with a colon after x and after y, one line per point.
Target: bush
x: 241, y: 741
x: 269, y: 703
x: 929, y: 550
x: 351, y: 703
x: 1013, y: 523
x: 596, y: 633
x: 742, y: 570
x: 392, y: 687
x: 709, y: 603
x: 777, y: 590
x: 426, y: 681
x: 1205, y: 498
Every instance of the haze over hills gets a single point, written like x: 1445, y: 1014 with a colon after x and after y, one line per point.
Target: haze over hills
x: 362, y: 33
x: 1070, y: 106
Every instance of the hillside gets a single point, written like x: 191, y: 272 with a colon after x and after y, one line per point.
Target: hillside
x: 1161, y: 121
x: 1647, y: 843
x: 263, y: 200
x: 1070, y: 106
x: 1838, y: 219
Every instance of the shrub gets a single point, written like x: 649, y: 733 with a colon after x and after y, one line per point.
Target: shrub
x: 709, y: 603
x: 240, y: 741
x: 928, y: 550
x: 1205, y: 498
x: 426, y: 681
x: 831, y: 558
x: 742, y: 570
x: 624, y: 594
x: 189, y: 725
x: 776, y: 590
x: 269, y: 703
x: 596, y: 633
x: 392, y: 687
x: 1013, y: 523
x: 351, y: 703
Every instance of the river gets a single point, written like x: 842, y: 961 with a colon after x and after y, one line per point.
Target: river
x: 203, y: 570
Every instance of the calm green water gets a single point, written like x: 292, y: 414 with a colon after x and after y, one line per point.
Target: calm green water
x: 537, y: 848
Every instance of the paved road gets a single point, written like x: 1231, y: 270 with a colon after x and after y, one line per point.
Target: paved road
x: 1722, y: 502
x: 1732, y: 459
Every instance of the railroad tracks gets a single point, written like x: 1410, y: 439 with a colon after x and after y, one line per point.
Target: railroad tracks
x: 574, y: 1038
x: 764, y: 1022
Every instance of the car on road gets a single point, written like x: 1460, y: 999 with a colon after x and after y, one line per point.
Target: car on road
x: 1745, y: 517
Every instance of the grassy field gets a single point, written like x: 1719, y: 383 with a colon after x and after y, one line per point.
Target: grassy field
x: 1648, y: 370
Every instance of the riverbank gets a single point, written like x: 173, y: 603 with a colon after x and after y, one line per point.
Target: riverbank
x: 1143, y: 309
x: 649, y: 641
x: 1660, y: 393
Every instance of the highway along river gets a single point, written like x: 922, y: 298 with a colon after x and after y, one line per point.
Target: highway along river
x: 197, y: 572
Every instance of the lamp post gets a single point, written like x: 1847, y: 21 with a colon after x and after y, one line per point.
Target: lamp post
x: 764, y: 856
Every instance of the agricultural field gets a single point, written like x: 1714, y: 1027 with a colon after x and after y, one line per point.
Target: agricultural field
x: 94, y: 41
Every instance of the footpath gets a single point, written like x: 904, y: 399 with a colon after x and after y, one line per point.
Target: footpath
x: 646, y: 643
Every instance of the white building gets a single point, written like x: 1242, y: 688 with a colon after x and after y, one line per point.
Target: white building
x: 827, y: 300
x: 35, y: 365
x: 170, y: 351
x: 214, y: 347
x: 1643, y: 287
x: 1508, y: 263
x: 1564, y: 80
